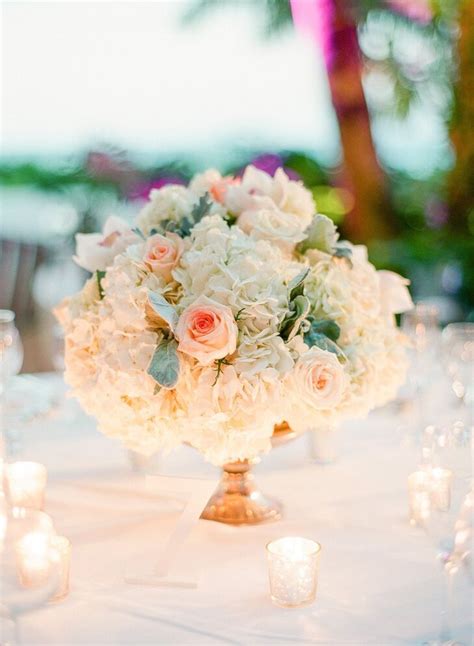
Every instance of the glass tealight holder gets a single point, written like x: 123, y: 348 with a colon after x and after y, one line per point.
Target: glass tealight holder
x: 26, y: 484
x: 61, y: 547
x: 293, y: 564
x: 324, y: 444
x: 419, y: 497
x: 441, y: 480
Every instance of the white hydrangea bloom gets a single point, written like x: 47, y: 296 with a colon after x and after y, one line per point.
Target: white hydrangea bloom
x: 168, y: 203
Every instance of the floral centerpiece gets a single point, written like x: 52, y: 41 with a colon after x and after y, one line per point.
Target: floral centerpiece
x: 229, y: 306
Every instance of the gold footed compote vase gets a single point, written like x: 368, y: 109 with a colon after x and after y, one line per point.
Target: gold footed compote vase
x: 237, y: 500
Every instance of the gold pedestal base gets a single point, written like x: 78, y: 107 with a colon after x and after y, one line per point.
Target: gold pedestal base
x: 237, y: 500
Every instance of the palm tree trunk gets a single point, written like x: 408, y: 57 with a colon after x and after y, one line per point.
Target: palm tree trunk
x: 461, y: 183
x: 371, y: 215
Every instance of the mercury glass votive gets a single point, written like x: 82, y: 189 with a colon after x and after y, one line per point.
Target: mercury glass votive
x: 33, y: 555
x: 293, y: 564
x: 26, y: 484
x: 61, y: 547
x: 441, y: 480
x: 419, y: 497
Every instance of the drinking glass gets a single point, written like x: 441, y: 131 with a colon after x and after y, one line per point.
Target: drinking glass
x: 421, y: 325
x: 29, y: 567
x: 11, y: 348
x: 458, y: 355
x: 11, y: 360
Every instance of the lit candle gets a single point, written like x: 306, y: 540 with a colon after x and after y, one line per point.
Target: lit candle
x: 419, y: 497
x: 293, y: 571
x: 26, y: 483
x: 61, y: 548
x: 441, y: 488
x: 33, y: 553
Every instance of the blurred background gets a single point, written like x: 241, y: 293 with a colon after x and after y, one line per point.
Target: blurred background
x: 370, y: 103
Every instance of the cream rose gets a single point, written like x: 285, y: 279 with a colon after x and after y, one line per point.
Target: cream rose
x: 207, y: 331
x: 258, y: 188
x: 319, y: 379
x: 394, y: 295
x: 162, y: 253
x: 282, y: 229
x: 97, y: 251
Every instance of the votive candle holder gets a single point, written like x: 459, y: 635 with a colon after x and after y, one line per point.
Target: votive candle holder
x: 34, y: 563
x: 441, y: 481
x: 61, y: 548
x: 293, y: 565
x: 26, y: 484
x: 419, y: 497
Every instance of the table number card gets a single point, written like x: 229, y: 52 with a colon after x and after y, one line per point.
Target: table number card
x: 168, y: 570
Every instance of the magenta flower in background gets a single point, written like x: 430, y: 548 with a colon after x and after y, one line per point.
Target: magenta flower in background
x: 270, y: 163
x: 141, y: 190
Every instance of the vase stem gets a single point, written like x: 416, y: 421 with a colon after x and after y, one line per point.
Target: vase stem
x: 237, y: 500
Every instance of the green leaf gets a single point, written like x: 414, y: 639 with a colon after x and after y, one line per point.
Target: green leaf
x: 164, y: 365
x: 139, y: 233
x: 325, y: 326
x: 99, y: 275
x: 321, y: 341
x: 343, y: 252
x: 201, y: 209
x: 185, y: 226
x: 230, y: 219
x: 292, y: 323
x: 296, y: 285
x: 165, y: 226
x: 165, y: 310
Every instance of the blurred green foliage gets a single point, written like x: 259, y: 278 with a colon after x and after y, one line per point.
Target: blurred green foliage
x: 425, y: 248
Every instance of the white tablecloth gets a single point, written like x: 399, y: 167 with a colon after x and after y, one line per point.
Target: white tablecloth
x: 379, y: 579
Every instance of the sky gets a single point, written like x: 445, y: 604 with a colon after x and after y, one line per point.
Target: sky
x: 76, y: 74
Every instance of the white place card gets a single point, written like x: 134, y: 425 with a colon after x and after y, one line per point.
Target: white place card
x: 173, y: 566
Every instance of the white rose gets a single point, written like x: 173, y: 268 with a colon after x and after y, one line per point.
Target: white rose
x: 293, y: 197
x: 96, y: 251
x: 318, y: 379
x: 259, y: 190
x: 394, y: 295
x: 271, y: 224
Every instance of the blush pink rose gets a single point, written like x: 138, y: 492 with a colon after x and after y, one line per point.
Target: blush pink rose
x: 219, y: 188
x: 162, y: 253
x: 207, y: 331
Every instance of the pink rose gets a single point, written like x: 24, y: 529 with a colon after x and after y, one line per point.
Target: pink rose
x: 162, y: 253
x: 207, y: 331
x: 218, y: 190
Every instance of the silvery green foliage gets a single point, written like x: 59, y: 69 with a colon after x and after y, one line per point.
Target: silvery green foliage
x: 184, y: 227
x: 324, y: 334
x: 165, y: 310
x: 164, y: 365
